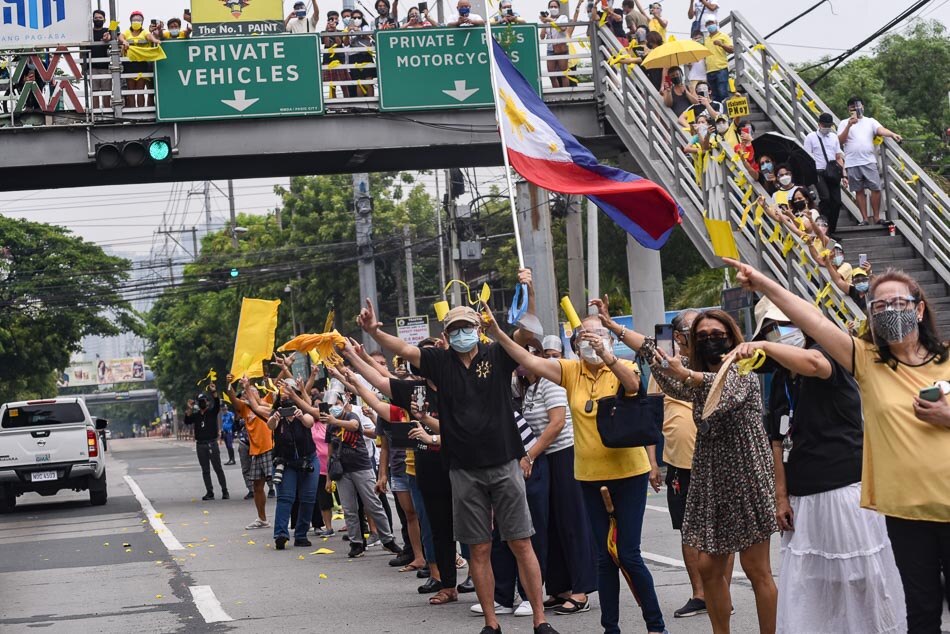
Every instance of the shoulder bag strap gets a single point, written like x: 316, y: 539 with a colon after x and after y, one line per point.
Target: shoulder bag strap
x: 823, y: 151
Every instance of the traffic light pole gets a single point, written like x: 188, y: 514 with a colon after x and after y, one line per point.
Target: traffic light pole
x: 363, y: 207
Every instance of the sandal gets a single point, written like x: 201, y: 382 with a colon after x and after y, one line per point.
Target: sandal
x: 443, y: 596
x: 575, y: 607
x: 411, y: 567
x: 553, y: 602
x: 460, y: 562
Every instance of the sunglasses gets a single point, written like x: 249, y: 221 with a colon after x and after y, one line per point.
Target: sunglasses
x: 716, y: 335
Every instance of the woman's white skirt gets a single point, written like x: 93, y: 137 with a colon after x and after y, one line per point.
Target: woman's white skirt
x: 838, y: 572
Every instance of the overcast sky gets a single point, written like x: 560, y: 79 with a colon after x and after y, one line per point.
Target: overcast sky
x: 125, y: 218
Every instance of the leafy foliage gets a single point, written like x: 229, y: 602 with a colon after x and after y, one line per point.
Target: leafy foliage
x: 55, y: 289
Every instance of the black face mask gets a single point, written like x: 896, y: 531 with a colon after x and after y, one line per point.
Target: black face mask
x: 202, y: 403
x: 798, y: 205
x: 98, y: 23
x: 711, y: 350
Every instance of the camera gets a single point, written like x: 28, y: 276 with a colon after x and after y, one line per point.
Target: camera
x: 306, y: 465
x: 278, y: 476
x: 544, y: 14
x: 287, y: 412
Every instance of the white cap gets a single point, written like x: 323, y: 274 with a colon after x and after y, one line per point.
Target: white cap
x: 552, y: 342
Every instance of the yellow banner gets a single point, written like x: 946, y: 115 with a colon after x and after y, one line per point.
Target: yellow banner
x: 255, y: 337
x: 237, y: 17
x: 738, y: 107
x: 720, y: 235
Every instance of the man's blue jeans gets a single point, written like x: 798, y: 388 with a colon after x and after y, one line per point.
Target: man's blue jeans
x: 427, y: 544
x: 718, y: 81
x: 629, y: 496
x: 301, y: 485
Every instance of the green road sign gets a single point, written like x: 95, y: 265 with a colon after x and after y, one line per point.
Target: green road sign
x: 428, y: 69
x: 239, y: 77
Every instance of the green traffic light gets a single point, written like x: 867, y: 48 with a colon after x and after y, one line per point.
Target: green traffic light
x: 159, y: 150
x: 234, y: 272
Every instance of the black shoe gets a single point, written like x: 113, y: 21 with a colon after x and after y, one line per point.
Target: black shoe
x: 249, y: 496
x: 693, y: 607
x: 466, y: 586
x: 402, y: 559
x: 430, y: 587
x: 392, y: 547
x: 225, y: 495
x: 573, y: 607
x: 356, y: 550
x: 346, y: 537
x: 544, y: 628
x: 270, y: 492
x: 491, y: 630
x: 280, y: 542
x: 208, y: 496
x: 302, y: 542
x: 425, y: 573
x: 228, y: 462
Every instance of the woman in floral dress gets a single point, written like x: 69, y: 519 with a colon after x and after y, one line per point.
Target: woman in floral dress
x: 730, y: 506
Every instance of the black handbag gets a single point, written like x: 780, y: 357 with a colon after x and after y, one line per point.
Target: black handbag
x: 833, y: 169
x: 630, y: 421
x: 334, y: 466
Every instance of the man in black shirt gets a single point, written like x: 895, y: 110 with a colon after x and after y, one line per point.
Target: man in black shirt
x: 101, y: 81
x: 481, y: 443
x: 205, y: 424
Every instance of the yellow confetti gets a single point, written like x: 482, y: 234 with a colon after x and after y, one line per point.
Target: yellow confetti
x: 338, y: 516
x: 322, y: 551
x: 205, y: 512
x: 158, y: 596
x: 128, y: 550
x: 301, y: 557
x: 323, y: 576
x: 251, y: 542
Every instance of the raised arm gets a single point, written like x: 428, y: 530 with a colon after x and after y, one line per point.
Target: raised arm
x: 550, y: 369
x: 367, y: 371
x: 798, y: 360
x: 802, y: 313
x: 370, y: 324
x: 632, y: 338
x: 347, y: 378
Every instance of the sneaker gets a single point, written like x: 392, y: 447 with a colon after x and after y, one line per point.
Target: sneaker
x: 249, y: 496
x: 270, y: 492
x: 545, y: 628
x: 693, y: 607
x: 524, y: 609
x: 225, y: 495
x: 208, y: 496
x: 280, y: 542
x: 326, y: 532
x: 373, y: 541
x: 499, y: 609
x: 356, y: 550
x: 392, y: 547
x: 258, y: 523
x: 229, y: 462
x: 491, y: 630
x: 302, y: 542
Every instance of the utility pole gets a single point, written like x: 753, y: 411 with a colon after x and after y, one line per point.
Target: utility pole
x: 575, y: 251
x: 207, y: 197
x: 438, y: 225
x: 363, y: 207
x: 410, y: 274
x: 194, y: 242
x: 534, y: 223
x: 593, y: 251
x: 453, y: 242
x: 115, y: 65
x: 234, y: 239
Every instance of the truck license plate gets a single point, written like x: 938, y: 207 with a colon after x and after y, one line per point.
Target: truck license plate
x: 42, y: 457
x: 43, y: 476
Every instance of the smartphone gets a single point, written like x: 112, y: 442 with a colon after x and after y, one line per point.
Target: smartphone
x: 154, y: 22
x: 423, y: 7
x: 932, y: 393
x: 511, y: 12
x: 664, y: 338
x: 324, y: 408
x: 419, y: 397
x: 286, y: 412
x: 544, y: 14
x: 862, y: 260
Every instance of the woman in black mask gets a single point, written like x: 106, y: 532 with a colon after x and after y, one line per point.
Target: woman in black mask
x: 730, y: 506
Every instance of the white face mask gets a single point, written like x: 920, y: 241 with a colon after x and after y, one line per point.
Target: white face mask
x: 722, y: 128
x: 785, y: 180
x: 554, y: 11
x: 795, y: 338
x: 588, y: 354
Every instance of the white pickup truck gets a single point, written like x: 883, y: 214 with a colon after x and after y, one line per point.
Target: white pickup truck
x: 50, y: 445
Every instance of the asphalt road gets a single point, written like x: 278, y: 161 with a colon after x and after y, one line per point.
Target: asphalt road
x: 68, y: 567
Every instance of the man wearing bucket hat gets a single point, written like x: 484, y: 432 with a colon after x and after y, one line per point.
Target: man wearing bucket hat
x: 483, y: 448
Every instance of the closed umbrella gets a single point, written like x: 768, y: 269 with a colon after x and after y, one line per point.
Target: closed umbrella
x: 675, y: 53
x: 612, y: 540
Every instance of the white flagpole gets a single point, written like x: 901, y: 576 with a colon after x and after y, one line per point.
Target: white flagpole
x: 504, y: 143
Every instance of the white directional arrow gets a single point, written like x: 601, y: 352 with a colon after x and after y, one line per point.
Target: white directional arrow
x: 461, y: 93
x: 240, y: 102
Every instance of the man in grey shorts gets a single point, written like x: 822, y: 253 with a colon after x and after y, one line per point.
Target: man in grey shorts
x: 482, y: 445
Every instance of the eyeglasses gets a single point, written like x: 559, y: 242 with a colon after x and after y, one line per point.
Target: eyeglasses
x: 715, y: 335
x: 465, y: 330
x: 895, y: 303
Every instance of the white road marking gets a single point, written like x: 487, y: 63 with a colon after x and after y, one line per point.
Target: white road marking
x: 164, y: 533
x: 208, y: 604
x: 661, y: 509
x: 679, y: 563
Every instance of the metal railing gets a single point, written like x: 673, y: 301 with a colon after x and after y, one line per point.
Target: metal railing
x: 715, y: 185
x: 911, y: 199
x: 93, y: 84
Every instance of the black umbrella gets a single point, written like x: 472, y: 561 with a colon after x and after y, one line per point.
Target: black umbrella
x: 785, y: 149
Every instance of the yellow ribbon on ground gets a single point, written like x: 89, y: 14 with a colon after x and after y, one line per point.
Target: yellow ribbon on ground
x: 720, y: 235
x: 326, y: 345
x: 255, y: 336
x: 146, y: 53
x: 756, y: 361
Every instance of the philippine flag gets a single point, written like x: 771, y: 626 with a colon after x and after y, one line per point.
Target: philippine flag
x: 549, y: 156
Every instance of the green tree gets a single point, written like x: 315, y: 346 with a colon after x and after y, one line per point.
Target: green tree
x: 55, y: 289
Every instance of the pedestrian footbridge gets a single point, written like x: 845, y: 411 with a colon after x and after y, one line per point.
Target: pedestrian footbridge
x: 287, y: 105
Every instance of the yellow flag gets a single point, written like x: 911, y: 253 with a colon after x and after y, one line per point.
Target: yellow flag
x: 723, y: 242
x: 328, y: 324
x: 146, y: 53
x: 255, y: 336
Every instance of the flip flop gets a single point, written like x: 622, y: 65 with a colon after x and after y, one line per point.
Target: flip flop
x: 411, y: 568
x: 442, y: 597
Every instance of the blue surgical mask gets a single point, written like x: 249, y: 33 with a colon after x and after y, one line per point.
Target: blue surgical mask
x: 336, y: 411
x: 346, y: 21
x: 837, y: 260
x: 462, y: 341
x: 766, y: 166
x: 464, y: 11
x: 862, y: 287
x: 712, y: 28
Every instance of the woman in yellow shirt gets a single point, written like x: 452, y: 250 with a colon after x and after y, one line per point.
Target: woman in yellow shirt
x: 625, y: 472
x: 137, y: 36
x: 906, y: 470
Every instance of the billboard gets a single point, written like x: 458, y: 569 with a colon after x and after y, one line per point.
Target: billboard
x: 216, y: 18
x: 103, y: 372
x: 37, y: 24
